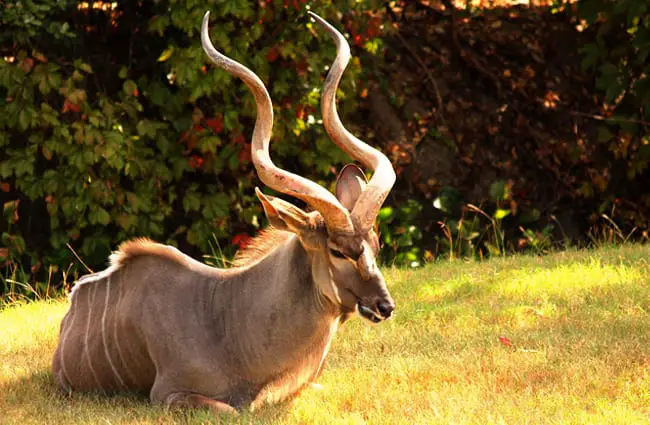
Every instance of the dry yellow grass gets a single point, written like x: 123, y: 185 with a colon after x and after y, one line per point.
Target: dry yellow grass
x: 578, y: 324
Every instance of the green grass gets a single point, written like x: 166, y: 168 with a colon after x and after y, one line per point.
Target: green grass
x: 579, y: 324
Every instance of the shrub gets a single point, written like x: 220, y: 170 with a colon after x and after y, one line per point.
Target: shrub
x: 618, y: 56
x: 114, y: 125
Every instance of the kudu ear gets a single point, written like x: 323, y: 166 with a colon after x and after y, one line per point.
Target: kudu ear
x: 283, y: 215
x: 350, y: 183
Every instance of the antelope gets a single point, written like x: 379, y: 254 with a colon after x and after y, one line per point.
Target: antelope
x: 159, y: 322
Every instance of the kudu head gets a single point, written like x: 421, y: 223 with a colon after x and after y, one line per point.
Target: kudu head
x: 338, y: 235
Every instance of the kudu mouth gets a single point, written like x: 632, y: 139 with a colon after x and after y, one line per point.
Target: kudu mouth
x: 382, y: 311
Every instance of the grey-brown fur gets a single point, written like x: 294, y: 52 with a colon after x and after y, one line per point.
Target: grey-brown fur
x: 172, y: 325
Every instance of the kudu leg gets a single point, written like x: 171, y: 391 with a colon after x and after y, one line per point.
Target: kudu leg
x: 163, y: 393
x: 197, y: 400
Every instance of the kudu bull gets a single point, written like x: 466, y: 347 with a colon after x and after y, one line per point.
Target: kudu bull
x: 192, y: 335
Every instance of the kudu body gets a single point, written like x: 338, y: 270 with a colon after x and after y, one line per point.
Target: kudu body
x: 160, y: 322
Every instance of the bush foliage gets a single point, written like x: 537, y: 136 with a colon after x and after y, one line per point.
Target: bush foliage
x: 620, y: 58
x: 113, y: 124
x: 509, y: 143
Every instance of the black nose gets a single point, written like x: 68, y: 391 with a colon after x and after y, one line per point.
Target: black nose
x: 385, y: 308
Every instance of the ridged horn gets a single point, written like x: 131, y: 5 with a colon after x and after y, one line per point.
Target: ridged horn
x: 367, y: 206
x: 336, y: 217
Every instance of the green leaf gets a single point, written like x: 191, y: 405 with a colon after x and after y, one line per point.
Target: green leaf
x: 103, y: 217
x: 24, y: 120
x: 591, y: 55
x: 603, y: 134
x: 86, y: 68
x: 500, y: 214
x: 530, y: 216
x: 385, y: 213
x: 158, y: 24
x: 146, y: 128
x: 77, y: 96
x: 191, y: 202
x: 609, y: 69
x: 166, y: 54
x: 79, y: 64
x: 233, y: 162
x: 127, y: 222
x: 129, y: 87
x: 449, y: 200
x: 589, y: 10
x: 209, y: 144
x: 499, y: 190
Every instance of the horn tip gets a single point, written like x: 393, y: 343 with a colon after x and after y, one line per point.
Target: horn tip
x: 206, y: 22
x: 317, y: 18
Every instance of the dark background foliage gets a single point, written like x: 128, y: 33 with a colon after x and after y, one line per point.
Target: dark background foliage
x: 524, y: 127
x: 513, y: 128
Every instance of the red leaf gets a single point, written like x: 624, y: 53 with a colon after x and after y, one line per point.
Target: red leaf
x: 272, y: 55
x: 239, y: 139
x: 215, y: 124
x: 245, y: 154
x: 300, y: 112
x: 69, y: 106
x: 242, y: 240
x: 195, y: 161
x: 39, y: 57
x: 26, y: 64
x: 505, y: 341
x: 184, y: 136
x: 302, y: 67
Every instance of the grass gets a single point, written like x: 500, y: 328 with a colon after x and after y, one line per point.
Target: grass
x: 563, y: 339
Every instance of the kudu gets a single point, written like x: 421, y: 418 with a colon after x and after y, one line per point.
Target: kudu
x: 161, y: 322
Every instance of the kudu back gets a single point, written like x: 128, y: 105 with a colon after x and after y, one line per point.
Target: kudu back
x: 160, y: 322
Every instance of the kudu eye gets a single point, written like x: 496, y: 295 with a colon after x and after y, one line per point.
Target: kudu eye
x: 337, y: 254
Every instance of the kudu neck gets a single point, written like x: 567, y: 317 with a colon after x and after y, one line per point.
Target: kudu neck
x: 288, y: 268
x: 273, y: 321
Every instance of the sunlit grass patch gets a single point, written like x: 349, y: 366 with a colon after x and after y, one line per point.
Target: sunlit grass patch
x: 522, y: 340
x: 30, y: 323
x: 570, y: 279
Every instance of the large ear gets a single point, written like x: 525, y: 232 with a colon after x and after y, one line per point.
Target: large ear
x: 350, y: 183
x: 283, y: 215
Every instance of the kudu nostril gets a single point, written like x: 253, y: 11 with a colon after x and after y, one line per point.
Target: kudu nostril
x: 385, y: 308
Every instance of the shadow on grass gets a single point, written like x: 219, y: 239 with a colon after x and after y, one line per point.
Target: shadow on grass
x: 38, y: 399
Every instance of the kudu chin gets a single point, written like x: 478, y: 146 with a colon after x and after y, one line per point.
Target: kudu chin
x: 188, y: 334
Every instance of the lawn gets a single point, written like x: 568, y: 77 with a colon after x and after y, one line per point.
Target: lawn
x: 562, y: 339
